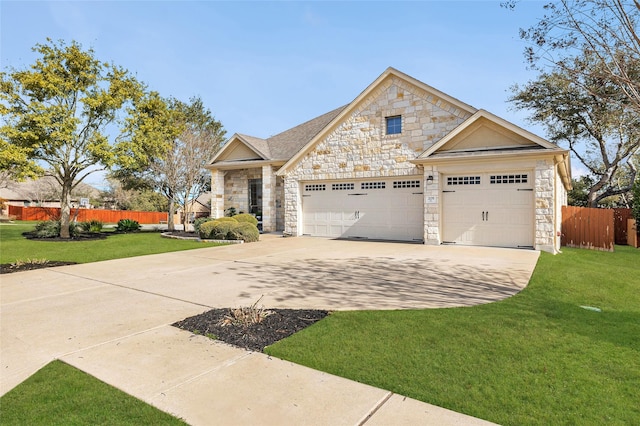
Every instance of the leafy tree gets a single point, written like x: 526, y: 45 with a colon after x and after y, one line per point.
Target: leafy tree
x: 579, y: 195
x: 606, y: 29
x: 192, y: 136
x: 635, y: 207
x: 58, y: 112
x: 591, y: 114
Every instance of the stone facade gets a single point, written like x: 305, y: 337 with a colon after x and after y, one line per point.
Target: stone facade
x: 359, y: 148
x: 431, y: 205
x: 236, y: 188
x: 544, y: 205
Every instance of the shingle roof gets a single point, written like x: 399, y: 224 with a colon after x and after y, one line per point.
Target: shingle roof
x: 284, y: 145
x: 258, y: 144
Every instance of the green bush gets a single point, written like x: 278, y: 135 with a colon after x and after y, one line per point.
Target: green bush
x: 51, y: 229
x: 199, y: 221
x: 247, y: 218
x: 127, y: 225
x: 47, y: 229
x: 245, y: 231
x: 226, y: 219
x: 217, y: 229
x: 91, y: 226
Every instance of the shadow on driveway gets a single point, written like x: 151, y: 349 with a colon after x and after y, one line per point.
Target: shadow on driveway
x: 379, y: 283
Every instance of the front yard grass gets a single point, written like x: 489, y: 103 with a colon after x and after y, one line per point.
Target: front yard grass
x: 537, y: 358
x: 59, y: 394
x: 13, y: 246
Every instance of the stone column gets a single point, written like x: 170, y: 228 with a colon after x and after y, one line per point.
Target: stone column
x: 544, y: 206
x: 217, y: 193
x: 431, y: 206
x: 268, y: 199
x: 291, y: 202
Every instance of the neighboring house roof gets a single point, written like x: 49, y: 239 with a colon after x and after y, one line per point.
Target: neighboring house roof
x: 43, y: 189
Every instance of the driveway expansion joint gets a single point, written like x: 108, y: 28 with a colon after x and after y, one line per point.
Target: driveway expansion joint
x: 375, y: 408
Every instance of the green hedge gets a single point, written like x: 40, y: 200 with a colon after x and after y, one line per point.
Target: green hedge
x: 226, y: 228
x: 247, y: 218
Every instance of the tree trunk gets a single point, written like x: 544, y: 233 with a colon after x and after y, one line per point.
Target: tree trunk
x: 65, y: 210
x: 172, y: 210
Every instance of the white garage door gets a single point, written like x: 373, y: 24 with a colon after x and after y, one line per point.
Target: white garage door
x: 389, y: 209
x: 488, y: 209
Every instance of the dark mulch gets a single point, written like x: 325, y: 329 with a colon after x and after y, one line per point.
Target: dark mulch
x: 280, y: 324
x: 7, y: 268
x: 183, y: 234
x: 83, y: 236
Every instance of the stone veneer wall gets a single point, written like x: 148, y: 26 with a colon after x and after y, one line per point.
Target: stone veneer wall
x: 236, y: 188
x: 279, y: 203
x: 431, y: 209
x: 359, y: 148
x: 545, y: 206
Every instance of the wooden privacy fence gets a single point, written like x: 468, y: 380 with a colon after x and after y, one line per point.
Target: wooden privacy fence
x: 587, y: 228
x: 620, y: 218
x: 84, y: 215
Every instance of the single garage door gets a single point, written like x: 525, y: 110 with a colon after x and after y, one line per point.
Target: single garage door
x: 488, y: 209
x: 389, y: 209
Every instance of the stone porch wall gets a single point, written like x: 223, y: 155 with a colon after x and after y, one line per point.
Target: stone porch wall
x: 359, y: 148
x: 236, y: 188
x: 545, y: 206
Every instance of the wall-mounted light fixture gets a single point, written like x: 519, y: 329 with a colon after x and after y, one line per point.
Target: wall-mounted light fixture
x: 430, y: 179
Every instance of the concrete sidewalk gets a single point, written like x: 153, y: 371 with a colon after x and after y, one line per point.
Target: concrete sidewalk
x: 111, y: 319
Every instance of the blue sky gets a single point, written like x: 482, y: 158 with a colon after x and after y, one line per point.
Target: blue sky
x: 264, y: 67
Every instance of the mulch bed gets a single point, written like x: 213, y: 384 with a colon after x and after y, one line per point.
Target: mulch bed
x: 7, y: 268
x: 280, y: 324
x: 83, y: 236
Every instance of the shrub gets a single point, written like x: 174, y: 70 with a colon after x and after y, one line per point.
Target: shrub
x: 231, y: 211
x: 245, y: 231
x: 91, y: 226
x: 217, y: 229
x: 247, y: 218
x: 199, y: 221
x: 227, y: 219
x: 51, y: 229
x: 127, y: 225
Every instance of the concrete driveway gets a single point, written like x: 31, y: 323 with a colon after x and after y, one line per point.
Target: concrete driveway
x: 112, y: 319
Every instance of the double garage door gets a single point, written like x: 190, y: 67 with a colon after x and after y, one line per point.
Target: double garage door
x: 387, y: 209
x: 485, y: 209
x: 488, y: 209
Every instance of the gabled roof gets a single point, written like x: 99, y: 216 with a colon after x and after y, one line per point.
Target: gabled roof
x: 282, y: 146
x: 455, y: 106
x: 522, y: 138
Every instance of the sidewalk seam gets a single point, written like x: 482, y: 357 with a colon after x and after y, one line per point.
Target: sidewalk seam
x: 375, y: 408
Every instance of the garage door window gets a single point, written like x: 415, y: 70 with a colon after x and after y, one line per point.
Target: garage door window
x: 463, y: 180
x: 498, y: 179
x: 342, y: 186
x: 373, y: 185
x: 315, y: 187
x: 406, y: 184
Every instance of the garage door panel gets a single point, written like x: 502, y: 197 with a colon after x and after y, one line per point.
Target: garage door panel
x: 374, y: 209
x: 488, y: 209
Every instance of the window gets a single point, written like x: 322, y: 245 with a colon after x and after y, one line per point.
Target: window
x: 463, y: 180
x: 373, y: 185
x: 406, y: 184
x: 394, y: 125
x: 494, y: 179
x: 315, y: 187
x: 342, y: 186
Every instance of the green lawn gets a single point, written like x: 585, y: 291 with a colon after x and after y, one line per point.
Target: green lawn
x: 537, y: 358
x: 13, y: 246
x: 59, y: 394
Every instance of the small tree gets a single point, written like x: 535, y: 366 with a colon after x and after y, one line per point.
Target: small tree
x: 58, y: 112
x: 190, y: 136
